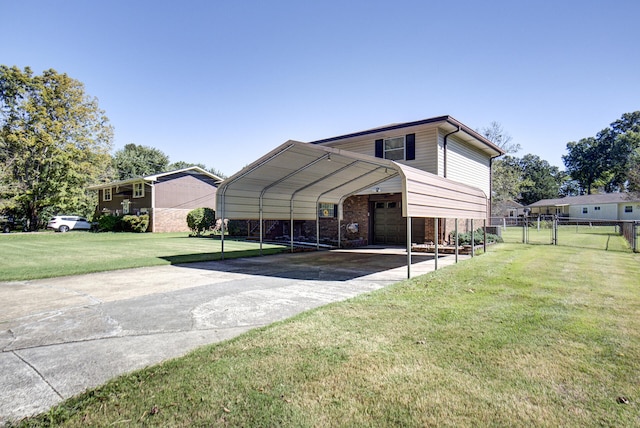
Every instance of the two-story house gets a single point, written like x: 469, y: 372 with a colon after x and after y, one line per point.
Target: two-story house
x: 379, y: 186
x: 166, y: 197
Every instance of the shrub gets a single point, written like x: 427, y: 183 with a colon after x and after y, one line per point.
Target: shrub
x: 135, y: 223
x: 201, y: 219
x: 109, y: 223
x: 478, y: 238
x: 128, y: 223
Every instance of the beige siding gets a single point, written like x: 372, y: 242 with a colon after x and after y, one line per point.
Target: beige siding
x: 467, y: 165
x: 426, y: 146
x: 433, y: 196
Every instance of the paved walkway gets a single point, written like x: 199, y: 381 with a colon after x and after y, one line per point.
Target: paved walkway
x: 60, y: 336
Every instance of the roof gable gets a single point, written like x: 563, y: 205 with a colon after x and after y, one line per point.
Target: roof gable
x: 194, y: 170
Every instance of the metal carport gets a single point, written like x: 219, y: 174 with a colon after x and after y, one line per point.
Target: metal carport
x: 292, y: 179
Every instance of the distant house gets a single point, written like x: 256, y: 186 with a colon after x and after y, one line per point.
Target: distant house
x: 506, y: 210
x: 607, y: 206
x: 166, y: 197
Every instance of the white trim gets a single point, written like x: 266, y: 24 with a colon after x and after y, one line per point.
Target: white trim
x: 138, y: 190
x: 404, y: 147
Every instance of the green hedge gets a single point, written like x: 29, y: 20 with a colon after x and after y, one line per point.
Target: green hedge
x: 128, y: 223
x: 478, y: 238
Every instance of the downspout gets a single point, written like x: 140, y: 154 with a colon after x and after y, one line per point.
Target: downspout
x: 444, y: 146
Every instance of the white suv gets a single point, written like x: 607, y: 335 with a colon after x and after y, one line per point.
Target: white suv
x: 65, y: 223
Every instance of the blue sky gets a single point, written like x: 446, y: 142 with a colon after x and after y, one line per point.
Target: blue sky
x: 224, y: 82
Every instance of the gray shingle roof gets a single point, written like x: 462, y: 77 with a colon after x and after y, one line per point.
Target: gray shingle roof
x: 604, y: 198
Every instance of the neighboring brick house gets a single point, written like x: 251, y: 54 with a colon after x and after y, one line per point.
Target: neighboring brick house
x: 167, y: 197
x: 437, y: 152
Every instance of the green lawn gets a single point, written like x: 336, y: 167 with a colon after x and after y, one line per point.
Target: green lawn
x: 521, y: 336
x: 582, y: 236
x: 42, y: 255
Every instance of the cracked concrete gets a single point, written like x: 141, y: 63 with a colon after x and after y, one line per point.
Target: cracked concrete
x: 61, y: 336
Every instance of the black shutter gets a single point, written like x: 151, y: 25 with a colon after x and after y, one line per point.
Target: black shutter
x: 379, y: 148
x: 410, y: 141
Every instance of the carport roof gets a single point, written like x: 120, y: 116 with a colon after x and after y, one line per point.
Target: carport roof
x: 290, y: 181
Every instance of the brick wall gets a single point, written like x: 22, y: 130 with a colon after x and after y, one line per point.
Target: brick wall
x: 447, y: 227
x: 170, y: 220
x: 356, y: 210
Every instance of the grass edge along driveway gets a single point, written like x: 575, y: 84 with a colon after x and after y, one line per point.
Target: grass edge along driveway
x: 522, y: 336
x: 42, y: 255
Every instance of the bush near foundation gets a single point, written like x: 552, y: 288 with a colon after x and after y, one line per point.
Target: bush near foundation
x: 128, y: 223
x: 478, y: 238
x: 201, y: 220
x: 135, y: 223
x: 109, y: 223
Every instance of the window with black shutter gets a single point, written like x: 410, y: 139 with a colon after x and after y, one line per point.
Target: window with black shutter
x: 397, y: 148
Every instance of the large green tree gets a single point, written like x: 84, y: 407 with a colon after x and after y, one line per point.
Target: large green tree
x: 585, y: 162
x: 54, y: 142
x: 606, y: 161
x: 540, y: 179
x: 138, y: 161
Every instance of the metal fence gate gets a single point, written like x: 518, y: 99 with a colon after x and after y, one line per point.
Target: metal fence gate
x: 583, y: 233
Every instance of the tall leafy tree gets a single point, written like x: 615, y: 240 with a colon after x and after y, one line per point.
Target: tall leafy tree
x: 505, y: 172
x: 606, y: 160
x: 585, y: 162
x: 634, y: 172
x: 54, y: 142
x: 138, y: 161
x: 541, y: 180
x: 507, y: 179
x: 501, y: 138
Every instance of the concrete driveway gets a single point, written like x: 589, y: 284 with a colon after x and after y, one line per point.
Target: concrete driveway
x: 61, y: 336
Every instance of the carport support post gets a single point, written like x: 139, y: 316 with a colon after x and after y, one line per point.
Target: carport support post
x: 408, y: 247
x: 435, y: 234
x: 456, y: 240
x: 473, y: 239
x: 484, y: 240
x: 222, y: 239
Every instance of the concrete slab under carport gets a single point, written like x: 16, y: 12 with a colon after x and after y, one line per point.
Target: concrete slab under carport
x: 60, y: 336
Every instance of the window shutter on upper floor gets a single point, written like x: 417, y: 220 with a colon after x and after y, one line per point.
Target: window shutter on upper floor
x: 379, y: 148
x: 410, y: 141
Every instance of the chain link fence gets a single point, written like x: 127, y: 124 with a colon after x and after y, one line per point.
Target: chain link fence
x: 584, y: 233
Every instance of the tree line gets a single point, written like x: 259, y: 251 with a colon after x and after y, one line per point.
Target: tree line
x: 55, y: 141
x: 608, y: 162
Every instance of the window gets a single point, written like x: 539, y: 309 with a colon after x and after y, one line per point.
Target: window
x: 397, y: 148
x: 394, y: 148
x: 585, y: 210
x: 596, y: 208
x: 106, y: 194
x: 326, y: 210
x: 138, y: 190
x: 628, y: 208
